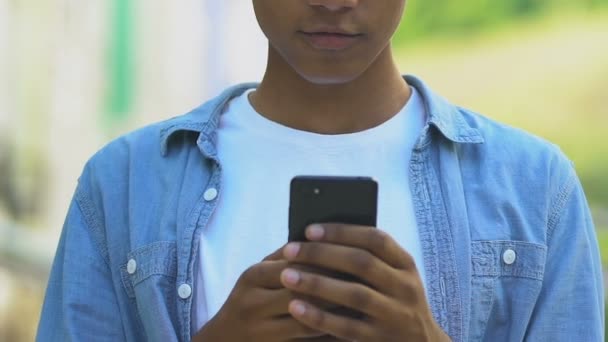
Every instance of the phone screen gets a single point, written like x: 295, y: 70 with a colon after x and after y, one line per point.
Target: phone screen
x: 315, y: 199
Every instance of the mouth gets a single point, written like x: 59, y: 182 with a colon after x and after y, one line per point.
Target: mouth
x: 331, y: 39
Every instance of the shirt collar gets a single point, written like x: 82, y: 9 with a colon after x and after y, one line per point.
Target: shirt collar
x: 444, y: 116
x: 204, y: 120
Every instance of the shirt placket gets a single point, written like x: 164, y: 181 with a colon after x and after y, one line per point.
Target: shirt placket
x: 443, y: 290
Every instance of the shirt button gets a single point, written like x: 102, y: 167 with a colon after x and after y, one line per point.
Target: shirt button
x: 210, y: 194
x: 509, y: 256
x: 131, y: 266
x: 184, y: 291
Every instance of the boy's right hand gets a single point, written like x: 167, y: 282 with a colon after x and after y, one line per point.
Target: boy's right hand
x: 257, y: 308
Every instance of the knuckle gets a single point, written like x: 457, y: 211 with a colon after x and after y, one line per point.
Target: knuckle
x: 312, y: 283
x: 334, y: 231
x: 360, y: 297
x: 318, y: 319
x: 248, y: 274
x: 409, y: 290
x: 407, y: 262
x: 351, y: 331
x: 410, y: 265
x: 378, y: 240
x: 309, y: 252
x: 407, y: 315
x: 362, y: 261
x: 253, y: 273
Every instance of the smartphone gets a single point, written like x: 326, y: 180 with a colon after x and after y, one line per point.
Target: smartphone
x: 321, y: 199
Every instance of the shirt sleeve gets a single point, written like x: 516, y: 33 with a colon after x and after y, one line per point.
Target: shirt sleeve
x: 80, y: 302
x: 570, y: 306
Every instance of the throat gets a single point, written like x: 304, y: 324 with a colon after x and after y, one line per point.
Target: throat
x: 327, y: 113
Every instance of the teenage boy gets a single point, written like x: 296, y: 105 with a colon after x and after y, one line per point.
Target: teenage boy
x: 484, y: 231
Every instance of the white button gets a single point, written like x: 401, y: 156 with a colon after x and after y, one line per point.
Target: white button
x: 509, y: 256
x: 210, y: 194
x: 184, y: 291
x: 131, y: 266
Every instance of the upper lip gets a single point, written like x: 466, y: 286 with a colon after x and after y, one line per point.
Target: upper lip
x: 330, y: 30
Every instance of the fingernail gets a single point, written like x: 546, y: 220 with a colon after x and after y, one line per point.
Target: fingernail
x: 315, y: 232
x: 290, y: 276
x: 298, y: 308
x: 291, y: 250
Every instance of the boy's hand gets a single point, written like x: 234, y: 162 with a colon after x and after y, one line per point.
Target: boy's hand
x: 393, y: 300
x: 256, y: 309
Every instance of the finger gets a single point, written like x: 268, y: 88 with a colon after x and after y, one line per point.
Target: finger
x: 324, y: 338
x: 265, y: 274
x: 358, y: 262
x: 331, y: 324
x: 316, y: 270
x: 371, y: 239
x: 274, y: 303
x: 323, y: 304
x: 286, y: 328
x: 269, y: 303
x: 344, y: 293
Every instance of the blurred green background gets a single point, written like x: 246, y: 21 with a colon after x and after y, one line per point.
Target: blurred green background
x: 76, y: 74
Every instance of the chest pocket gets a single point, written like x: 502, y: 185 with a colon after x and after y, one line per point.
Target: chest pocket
x: 149, y: 278
x: 157, y: 260
x: 506, y: 282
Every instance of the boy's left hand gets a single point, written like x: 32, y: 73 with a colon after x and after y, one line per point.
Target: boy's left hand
x: 393, y: 302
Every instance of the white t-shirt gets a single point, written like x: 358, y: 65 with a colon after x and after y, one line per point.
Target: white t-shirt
x: 259, y: 158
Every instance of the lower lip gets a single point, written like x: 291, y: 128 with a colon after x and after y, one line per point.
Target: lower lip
x: 331, y: 42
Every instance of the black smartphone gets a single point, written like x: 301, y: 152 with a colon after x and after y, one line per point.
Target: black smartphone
x: 320, y: 199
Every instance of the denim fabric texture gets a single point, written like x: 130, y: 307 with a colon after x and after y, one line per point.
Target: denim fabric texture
x: 508, y: 242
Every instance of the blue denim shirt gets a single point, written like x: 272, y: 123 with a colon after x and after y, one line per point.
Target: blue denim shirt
x: 508, y: 242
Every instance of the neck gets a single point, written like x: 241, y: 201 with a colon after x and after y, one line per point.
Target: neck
x: 365, y: 102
